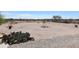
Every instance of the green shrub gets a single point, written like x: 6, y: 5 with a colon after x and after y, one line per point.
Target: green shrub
x: 2, y: 20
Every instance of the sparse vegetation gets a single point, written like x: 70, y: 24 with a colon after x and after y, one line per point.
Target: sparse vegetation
x: 44, y: 24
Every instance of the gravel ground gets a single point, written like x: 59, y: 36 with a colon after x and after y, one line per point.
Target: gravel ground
x: 4, y: 45
x: 56, y: 35
x: 56, y: 42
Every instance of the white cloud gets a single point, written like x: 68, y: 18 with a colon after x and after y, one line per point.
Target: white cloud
x: 28, y: 16
x: 5, y: 14
x: 32, y: 16
x: 24, y: 16
x: 11, y: 15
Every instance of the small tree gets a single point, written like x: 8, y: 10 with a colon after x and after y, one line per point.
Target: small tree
x: 2, y: 20
x: 57, y: 18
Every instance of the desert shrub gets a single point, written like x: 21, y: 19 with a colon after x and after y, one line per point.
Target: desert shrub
x: 17, y: 37
x: 66, y: 21
x: 10, y: 27
x: 57, y: 19
x: 77, y: 22
x: 44, y: 26
x: 76, y: 26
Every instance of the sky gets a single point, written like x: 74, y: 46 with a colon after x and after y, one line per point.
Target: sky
x: 39, y: 14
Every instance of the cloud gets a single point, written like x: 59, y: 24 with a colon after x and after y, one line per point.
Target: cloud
x: 28, y: 16
x: 25, y: 15
x: 32, y: 16
x: 6, y: 14
x: 13, y: 15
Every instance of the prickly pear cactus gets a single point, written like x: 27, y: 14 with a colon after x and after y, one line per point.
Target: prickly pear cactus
x: 16, y: 38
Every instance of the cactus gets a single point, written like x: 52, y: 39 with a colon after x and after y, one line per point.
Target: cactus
x: 17, y: 37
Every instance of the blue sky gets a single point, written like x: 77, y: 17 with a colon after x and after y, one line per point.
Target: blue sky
x: 39, y: 14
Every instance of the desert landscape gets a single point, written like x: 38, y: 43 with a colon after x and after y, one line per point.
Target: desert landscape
x: 56, y: 35
x: 39, y: 29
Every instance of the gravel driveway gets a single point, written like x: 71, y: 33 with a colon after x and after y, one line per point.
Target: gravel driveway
x: 57, y: 42
x: 56, y: 35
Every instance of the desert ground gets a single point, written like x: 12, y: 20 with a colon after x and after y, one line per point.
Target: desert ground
x: 57, y: 35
